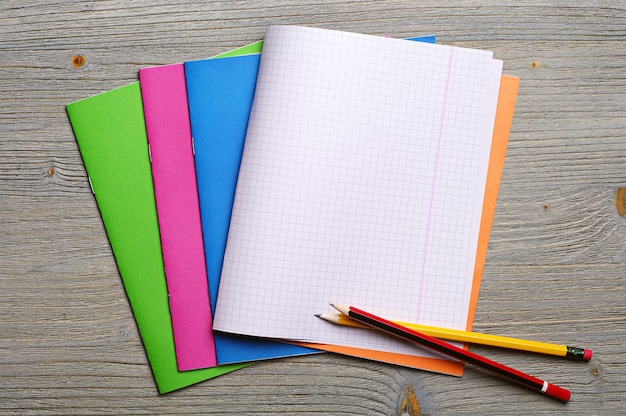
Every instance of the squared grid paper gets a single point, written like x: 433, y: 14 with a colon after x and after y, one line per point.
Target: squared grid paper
x: 361, y: 183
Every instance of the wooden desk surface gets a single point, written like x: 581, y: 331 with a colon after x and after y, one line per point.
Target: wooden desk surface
x: 555, y: 268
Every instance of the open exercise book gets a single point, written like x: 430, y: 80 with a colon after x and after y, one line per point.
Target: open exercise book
x: 362, y: 182
x: 220, y: 93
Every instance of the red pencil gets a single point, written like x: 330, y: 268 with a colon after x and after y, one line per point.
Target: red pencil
x: 455, y: 352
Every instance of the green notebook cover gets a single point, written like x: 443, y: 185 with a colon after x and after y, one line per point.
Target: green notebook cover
x: 111, y: 135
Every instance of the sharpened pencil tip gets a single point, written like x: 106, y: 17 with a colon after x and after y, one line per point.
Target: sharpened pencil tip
x: 318, y: 315
x: 341, y: 308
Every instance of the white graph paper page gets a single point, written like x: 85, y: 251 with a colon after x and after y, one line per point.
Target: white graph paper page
x: 361, y: 183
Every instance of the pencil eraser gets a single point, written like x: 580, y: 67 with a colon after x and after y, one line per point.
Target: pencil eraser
x: 558, y: 392
x: 587, y: 355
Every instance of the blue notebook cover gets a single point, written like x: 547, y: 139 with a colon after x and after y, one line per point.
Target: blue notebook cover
x: 220, y: 93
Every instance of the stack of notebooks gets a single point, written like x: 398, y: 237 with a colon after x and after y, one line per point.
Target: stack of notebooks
x: 243, y: 193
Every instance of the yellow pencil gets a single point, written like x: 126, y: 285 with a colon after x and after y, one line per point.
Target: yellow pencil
x: 572, y: 353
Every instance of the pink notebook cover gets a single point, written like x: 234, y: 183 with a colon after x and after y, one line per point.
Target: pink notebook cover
x: 166, y: 112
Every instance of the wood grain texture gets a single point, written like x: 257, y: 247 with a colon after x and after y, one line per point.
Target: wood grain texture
x: 556, y: 260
